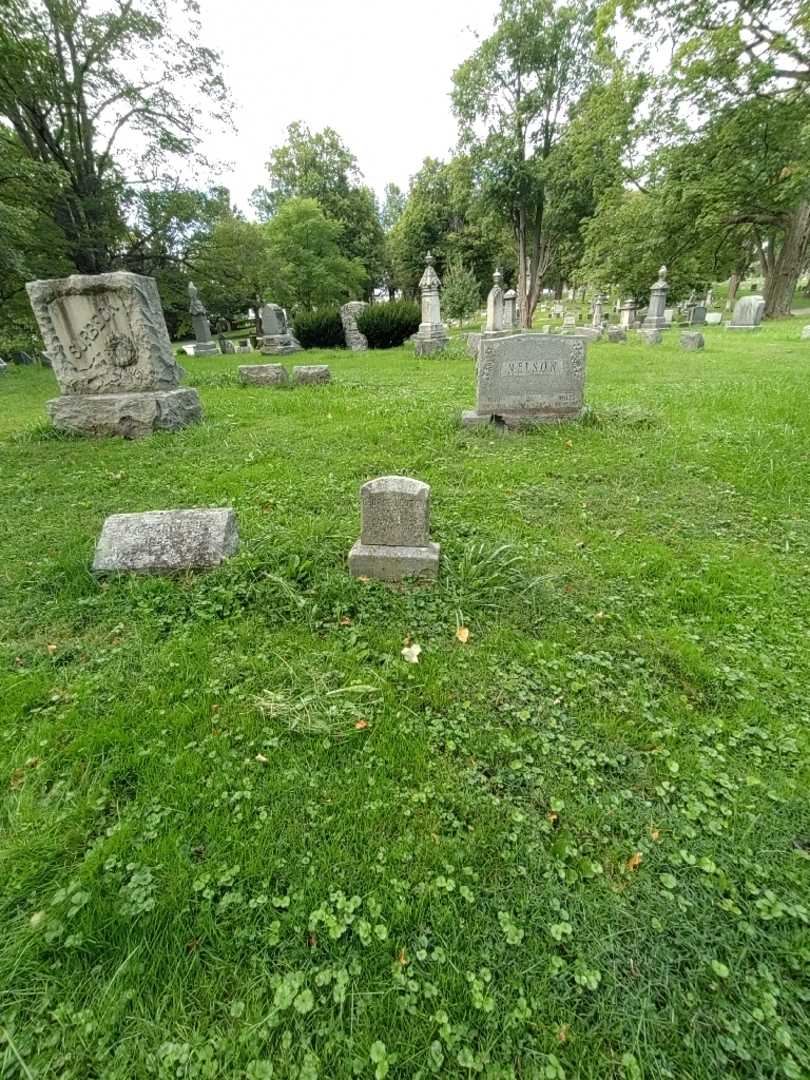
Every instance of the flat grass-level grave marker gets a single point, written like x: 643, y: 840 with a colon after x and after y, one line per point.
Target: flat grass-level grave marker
x: 394, y: 539
x: 526, y: 379
x: 264, y: 375
x: 106, y: 338
x: 164, y: 541
x: 309, y: 374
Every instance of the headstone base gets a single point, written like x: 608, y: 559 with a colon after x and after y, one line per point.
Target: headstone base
x: 203, y: 348
x: 280, y: 345
x: 517, y: 421
x: 655, y: 323
x: 133, y: 415
x: 162, y: 541
x: 430, y: 339
x: 386, y: 563
x: 741, y: 326
x: 692, y: 341
x: 264, y: 375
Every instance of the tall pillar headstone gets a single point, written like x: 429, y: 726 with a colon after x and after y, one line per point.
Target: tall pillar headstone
x: 277, y: 340
x: 203, y: 345
x: 598, y: 311
x: 355, y: 341
x: 107, y: 343
x: 655, y: 319
x: 395, y: 531
x: 495, y: 306
x: 432, y: 335
x: 510, y: 319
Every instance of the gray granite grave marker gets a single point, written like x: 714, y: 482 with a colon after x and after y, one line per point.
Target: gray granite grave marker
x: 395, y: 531
x: 162, y: 541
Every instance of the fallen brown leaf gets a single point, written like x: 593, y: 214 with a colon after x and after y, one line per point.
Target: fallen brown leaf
x: 562, y: 1034
x: 361, y: 725
x: 634, y: 861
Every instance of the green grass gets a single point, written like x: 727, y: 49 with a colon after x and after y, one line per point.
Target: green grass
x: 242, y: 837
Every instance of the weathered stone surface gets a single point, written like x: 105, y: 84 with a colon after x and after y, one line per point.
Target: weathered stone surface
x: 655, y: 318
x: 104, y: 333
x: 278, y: 339
x: 473, y: 345
x: 529, y: 378
x: 805, y: 333
x: 162, y: 541
x: 432, y: 335
x: 494, y: 324
x: 748, y: 313
x: 714, y: 318
x: 627, y: 313
x: 692, y: 341
x: 587, y: 333
x: 355, y: 341
x: 616, y: 334
x: 264, y: 375
x: 395, y: 528
x: 696, y: 315
x: 311, y: 373
x: 133, y: 416
x: 203, y: 344
x: 510, y: 320
x: 651, y: 337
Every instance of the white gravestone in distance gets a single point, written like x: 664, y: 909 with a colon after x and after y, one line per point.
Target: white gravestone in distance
x: 163, y: 541
x: 355, y: 341
x: 748, y: 313
x: 277, y: 340
x: 527, y: 379
x: 494, y: 324
x: 655, y: 318
x: 107, y: 342
x: 395, y: 531
x: 432, y: 335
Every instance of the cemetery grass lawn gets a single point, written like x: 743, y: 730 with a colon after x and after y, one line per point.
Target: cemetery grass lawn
x: 242, y: 837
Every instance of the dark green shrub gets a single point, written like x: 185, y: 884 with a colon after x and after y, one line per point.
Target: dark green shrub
x: 319, y: 329
x: 388, y: 325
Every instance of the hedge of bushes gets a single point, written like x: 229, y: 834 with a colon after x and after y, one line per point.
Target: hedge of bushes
x: 320, y: 329
x: 389, y: 325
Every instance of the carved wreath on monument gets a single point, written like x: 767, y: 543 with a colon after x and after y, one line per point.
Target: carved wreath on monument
x: 577, y: 358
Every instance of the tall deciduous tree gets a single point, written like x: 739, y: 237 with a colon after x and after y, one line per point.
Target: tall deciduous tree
x: 513, y: 98
x: 319, y: 166
x: 68, y: 92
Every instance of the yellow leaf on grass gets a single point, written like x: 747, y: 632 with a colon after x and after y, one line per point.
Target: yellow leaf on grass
x: 463, y: 634
x: 656, y: 835
x: 634, y: 861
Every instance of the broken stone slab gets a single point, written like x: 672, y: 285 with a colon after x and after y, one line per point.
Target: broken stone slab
x: 651, y: 337
x: 395, y: 527
x: 134, y: 415
x: 355, y: 341
x: 163, y: 541
x: 692, y: 341
x: 306, y: 374
x: 264, y: 375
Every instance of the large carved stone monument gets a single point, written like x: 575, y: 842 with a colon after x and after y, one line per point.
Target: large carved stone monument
x: 527, y: 378
x: 277, y: 338
x: 395, y: 531
x: 432, y: 335
x: 203, y: 345
x: 655, y: 318
x: 107, y: 342
x: 355, y: 341
x: 748, y: 314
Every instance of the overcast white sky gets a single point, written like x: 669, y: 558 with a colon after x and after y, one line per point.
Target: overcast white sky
x: 378, y: 73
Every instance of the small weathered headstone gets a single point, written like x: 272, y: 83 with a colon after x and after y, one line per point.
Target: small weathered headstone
x: 277, y: 339
x: 305, y: 374
x: 655, y: 318
x: 203, y: 343
x: 696, y: 315
x: 510, y: 320
x: 714, y: 318
x: 162, y: 541
x: 355, y: 341
x: 395, y: 531
x: 528, y: 378
x: 616, y: 334
x: 651, y: 337
x: 110, y: 352
x: 432, y: 335
x: 805, y: 333
x: 264, y: 375
x: 692, y: 341
x: 748, y: 313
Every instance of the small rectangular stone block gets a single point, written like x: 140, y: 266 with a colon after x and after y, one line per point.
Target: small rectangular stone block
x: 264, y: 375
x: 395, y: 510
x: 651, y: 337
x: 162, y: 541
x: 386, y: 562
x: 304, y: 374
x: 134, y: 416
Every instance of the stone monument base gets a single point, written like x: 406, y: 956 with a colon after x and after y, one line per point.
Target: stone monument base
x: 280, y: 345
x: 264, y: 375
x: 203, y: 348
x: 741, y: 326
x: 430, y: 339
x: 133, y: 415
x: 389, y: 563
x: 518, y: 421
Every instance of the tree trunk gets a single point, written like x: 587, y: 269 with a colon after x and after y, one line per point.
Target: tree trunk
x: 522, y: 281
x: 780, y: 284
x: 733, y: 285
